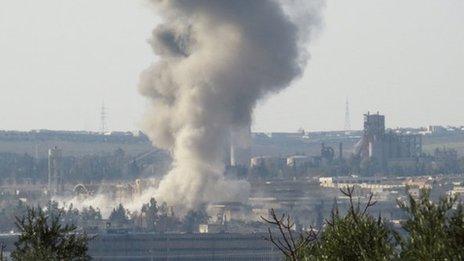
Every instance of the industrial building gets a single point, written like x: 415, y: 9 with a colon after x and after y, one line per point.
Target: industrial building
x: 387, y: 148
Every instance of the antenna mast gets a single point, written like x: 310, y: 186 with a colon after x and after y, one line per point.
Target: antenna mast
x: 103, y: 118
x: 347, y: 116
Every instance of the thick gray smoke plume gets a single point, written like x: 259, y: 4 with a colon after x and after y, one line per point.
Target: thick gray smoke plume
x: 217, y: 59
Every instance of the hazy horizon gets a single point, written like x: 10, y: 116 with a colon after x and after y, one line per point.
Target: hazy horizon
x: 60, y: 59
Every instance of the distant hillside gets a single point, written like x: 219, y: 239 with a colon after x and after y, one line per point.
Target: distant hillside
x: 37, y: 143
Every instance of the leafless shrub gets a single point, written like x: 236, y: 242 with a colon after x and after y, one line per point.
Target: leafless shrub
x: 288, y: 241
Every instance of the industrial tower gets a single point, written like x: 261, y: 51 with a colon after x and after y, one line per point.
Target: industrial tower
x: 347, y: 116
x: 55, y: 174
x: 103, y: 118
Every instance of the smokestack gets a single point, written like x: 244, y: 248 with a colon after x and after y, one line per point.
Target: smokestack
x: 240, y: 147
x: 217, y: 58
x: 340, y: 151
x: 55, y: 175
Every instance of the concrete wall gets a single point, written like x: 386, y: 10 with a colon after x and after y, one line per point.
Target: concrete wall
x: 176, y: 247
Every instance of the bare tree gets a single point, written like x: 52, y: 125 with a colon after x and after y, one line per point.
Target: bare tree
x: 288, y: 241
x: 293, y: 244
x: 356, y: 211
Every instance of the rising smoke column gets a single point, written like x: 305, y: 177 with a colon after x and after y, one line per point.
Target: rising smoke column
x: 217, y: 58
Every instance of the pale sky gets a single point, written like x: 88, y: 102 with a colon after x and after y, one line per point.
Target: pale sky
x: 59, y: 59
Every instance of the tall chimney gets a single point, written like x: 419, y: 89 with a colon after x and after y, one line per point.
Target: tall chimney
x: 340, y: 151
